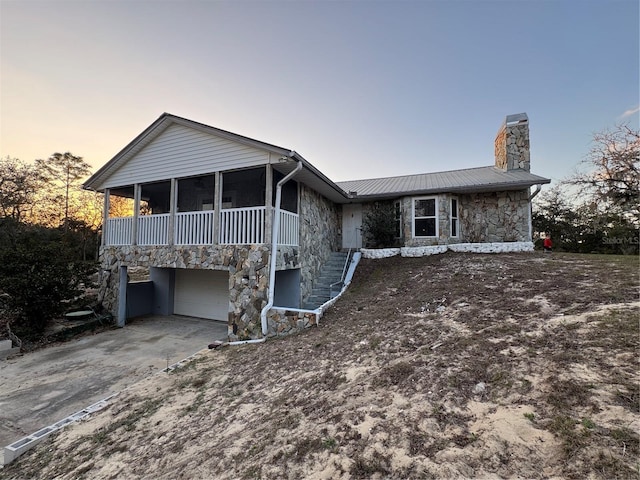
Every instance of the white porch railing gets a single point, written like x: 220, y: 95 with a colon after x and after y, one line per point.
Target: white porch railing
x: 194, y: 228
x: 237, y: 226
x: 289, y: 228
x: 118, y: 231
x: 153, y: 229
x: 242, y: 225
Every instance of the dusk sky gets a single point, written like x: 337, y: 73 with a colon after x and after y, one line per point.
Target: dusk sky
x: 361, y: 89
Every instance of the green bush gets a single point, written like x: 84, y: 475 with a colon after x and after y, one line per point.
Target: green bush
x: 379, y: 226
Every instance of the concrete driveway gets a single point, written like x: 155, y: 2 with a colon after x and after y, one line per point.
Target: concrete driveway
x: 42, y: 387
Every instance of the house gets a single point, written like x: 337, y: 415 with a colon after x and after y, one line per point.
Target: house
x: 210, y: 206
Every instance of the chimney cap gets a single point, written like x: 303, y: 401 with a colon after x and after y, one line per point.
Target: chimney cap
x: 516, y: 118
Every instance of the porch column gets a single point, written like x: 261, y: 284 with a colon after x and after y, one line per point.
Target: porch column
x: 173, y: 197
x: 137, y: 192
x: 105, y: 215
x: 217, y: 197
x: 268, y: 202
x: 122, y: 297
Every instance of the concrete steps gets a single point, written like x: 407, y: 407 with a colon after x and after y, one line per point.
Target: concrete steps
x: 330, y: 273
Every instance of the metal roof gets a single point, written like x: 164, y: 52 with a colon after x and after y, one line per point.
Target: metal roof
x: 468, y: 180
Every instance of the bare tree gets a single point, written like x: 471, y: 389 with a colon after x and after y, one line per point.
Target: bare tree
x: 20, y: 184
x: 613, y: 176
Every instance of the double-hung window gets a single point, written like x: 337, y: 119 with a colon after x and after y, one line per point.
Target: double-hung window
x: 425, y: 219
x: 454, y: 217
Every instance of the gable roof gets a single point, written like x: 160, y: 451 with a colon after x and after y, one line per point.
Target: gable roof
x: 479, y: 179
x: 310, y: 175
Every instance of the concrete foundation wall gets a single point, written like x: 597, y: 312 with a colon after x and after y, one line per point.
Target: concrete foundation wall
x: 139, y: 299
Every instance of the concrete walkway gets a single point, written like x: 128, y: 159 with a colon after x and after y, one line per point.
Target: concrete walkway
x: 42, y: 387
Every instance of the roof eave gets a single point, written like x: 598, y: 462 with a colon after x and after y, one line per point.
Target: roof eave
x: 492, y: 187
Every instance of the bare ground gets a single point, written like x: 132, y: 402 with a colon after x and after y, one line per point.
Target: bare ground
x: 451, y: 366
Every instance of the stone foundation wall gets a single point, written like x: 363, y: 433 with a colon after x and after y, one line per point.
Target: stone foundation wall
x: 285, y: 322
x: 494, y: 217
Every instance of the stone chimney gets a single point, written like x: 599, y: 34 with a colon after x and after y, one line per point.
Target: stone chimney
x: 512, y: 143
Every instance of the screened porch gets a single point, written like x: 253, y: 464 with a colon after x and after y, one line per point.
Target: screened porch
x: 227, y: 208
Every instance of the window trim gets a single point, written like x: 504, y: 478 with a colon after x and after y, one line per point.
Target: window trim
x: 413, y: 216
x: 455, y: 218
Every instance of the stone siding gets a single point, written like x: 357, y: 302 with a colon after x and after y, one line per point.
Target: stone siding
x: 495, y: 217
x: 482, y: 217
x: 285, y: 322
x: 319, y: 224
x: 512, y: 147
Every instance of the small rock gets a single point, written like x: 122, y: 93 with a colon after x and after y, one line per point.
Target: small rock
x: 479, y: 389
x: 441, y: 309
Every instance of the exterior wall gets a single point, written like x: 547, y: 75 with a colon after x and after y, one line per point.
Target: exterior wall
x: 483, y: 217
x: 319, y: 227
x: 494, y: 217
x: 181, y: 151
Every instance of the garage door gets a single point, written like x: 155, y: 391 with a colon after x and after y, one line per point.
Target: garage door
x: 202, y: 293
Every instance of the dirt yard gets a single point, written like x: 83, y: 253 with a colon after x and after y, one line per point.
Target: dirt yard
x: 451, y: 366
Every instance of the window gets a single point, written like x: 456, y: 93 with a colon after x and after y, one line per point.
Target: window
x: 425, y: 221
x: 454, y: 217
x: 398, y: 217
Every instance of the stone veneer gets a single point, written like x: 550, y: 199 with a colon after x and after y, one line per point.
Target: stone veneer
x: 495, y: 217
x: 482, y: 217
x: 512, y: 147
x: 319, y: 222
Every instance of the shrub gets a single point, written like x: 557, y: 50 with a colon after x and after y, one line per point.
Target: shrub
x: 379, y: 226
x: 39, y: 275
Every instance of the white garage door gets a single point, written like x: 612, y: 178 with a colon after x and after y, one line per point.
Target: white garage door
x: 202, y: 293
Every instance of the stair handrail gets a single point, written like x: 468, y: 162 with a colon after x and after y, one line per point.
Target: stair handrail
x: 344, y: 272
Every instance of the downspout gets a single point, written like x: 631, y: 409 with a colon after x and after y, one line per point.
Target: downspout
x: 274, y: 243
x: 272, y: 267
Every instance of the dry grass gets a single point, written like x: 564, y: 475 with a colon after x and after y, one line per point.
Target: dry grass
x: 387, y: 386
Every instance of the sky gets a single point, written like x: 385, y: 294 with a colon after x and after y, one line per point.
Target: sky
x: 361, y: 89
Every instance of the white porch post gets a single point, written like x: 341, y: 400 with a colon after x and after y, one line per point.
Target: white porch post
x: 105, y: 215
x: 173, y: 201
x: 137, y: 191
x: 217, y: 198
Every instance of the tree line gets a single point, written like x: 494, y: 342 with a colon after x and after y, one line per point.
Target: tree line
x: 49, y: 238
x: 597, y: 209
